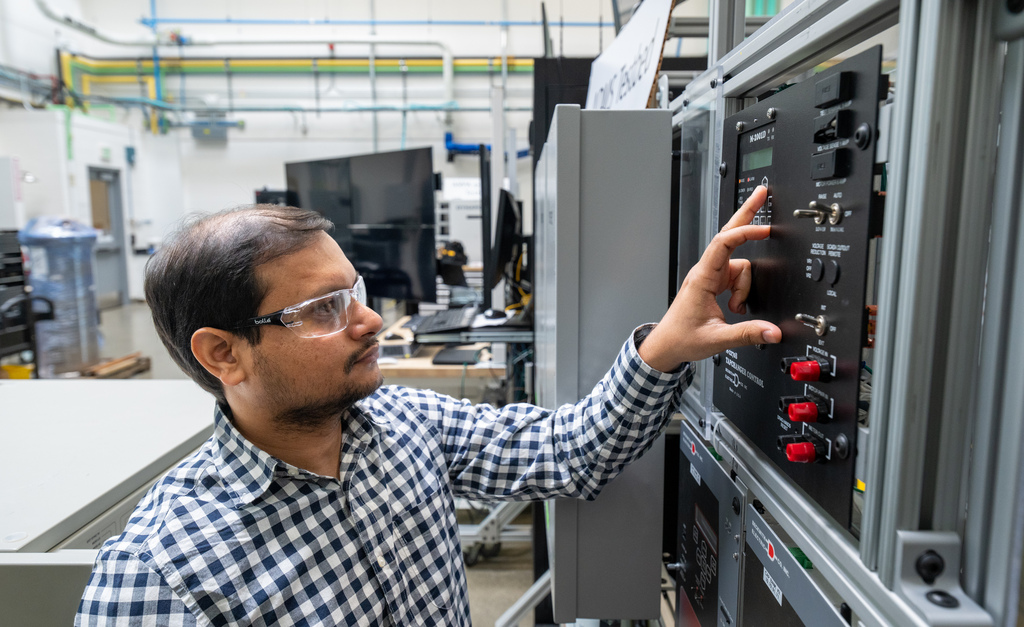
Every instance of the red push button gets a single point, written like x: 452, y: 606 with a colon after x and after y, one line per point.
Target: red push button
x: 802, y: 452
x: 803, y: 412
x: 805, y: 371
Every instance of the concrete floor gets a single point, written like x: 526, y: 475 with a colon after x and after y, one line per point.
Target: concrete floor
x: 494, y: 583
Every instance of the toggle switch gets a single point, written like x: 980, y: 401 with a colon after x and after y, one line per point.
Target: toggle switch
x: 802, y: 449
x: 828, y: 128
x: 820, y: 212
x: 818, y: 323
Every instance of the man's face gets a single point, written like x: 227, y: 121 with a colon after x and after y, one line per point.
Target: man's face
x: 306, y: 382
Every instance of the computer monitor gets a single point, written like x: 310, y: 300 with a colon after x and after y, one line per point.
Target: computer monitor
x: 507, y: 236
x: 276, y: 197
x: 382, y: 206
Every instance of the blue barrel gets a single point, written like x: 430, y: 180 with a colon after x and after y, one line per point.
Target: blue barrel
x: 61, y: 258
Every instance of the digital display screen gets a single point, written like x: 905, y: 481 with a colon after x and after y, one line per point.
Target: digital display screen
x: 757, y: 159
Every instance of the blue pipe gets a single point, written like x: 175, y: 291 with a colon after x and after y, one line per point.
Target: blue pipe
x: 154, y: 22
x: 166, y: 106
x: 473, y: 149
x: 240, y: 124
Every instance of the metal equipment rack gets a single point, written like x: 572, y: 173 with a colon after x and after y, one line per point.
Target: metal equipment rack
x: 943, y: 466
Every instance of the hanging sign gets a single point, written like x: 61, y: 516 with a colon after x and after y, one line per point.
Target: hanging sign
x: 623, y: 76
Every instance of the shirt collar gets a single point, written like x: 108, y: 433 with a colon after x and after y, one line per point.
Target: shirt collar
x: 248, y: 471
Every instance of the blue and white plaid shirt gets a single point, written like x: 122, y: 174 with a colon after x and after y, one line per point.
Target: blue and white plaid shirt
x: 236, y: 536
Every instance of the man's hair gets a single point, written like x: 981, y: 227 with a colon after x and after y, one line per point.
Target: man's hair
x: 205, y: 276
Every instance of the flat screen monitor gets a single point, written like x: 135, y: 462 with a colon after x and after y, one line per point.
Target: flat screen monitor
x: 382, y: 206
x: 506, y: 238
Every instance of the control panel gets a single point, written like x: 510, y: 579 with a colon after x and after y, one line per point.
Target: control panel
x: 710, y: 536
x: 813, y: 146
x: 780, y: 585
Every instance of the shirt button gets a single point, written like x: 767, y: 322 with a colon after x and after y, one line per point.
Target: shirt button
x: 380, y: 560
x: 293, y: 472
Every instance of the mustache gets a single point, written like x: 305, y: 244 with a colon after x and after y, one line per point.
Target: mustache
x: 368, y: 345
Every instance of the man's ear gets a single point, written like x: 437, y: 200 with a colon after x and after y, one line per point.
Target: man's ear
x: 219, y: 352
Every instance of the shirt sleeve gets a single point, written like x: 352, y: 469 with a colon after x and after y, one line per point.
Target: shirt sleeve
x: 525, y: 452
x: 124, y: 591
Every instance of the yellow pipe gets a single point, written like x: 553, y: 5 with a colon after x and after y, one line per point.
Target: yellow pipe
x: 116, y: 78
x: 343, y: 62
x: 281, y: 63
x: 89, y: 79
x: 109, y: 64
x: 137, y: 67
x: 425, y: 62
x: 65, y: 61
x: 173, y: 63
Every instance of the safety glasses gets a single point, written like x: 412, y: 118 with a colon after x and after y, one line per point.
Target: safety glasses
x: 316, y: 317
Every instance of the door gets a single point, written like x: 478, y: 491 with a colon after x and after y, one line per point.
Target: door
x: 111, y: 258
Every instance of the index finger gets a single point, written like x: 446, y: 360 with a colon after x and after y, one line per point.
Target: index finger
x: 720, y: 250
x: 750, y: 207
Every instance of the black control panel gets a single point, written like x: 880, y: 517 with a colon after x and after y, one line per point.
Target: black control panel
x: 709, y: 536
x: 813, y: 146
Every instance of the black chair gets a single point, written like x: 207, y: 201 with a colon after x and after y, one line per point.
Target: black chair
x: 18, y: 318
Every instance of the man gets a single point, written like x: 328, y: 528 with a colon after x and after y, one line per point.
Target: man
x: 323, y: 498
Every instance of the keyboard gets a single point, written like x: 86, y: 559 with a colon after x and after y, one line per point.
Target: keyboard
x: 414, y: 322
x: 448, y: 320
x: 456, y: 356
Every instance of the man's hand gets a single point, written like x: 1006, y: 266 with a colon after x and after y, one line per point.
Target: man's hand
x: 694, y: 327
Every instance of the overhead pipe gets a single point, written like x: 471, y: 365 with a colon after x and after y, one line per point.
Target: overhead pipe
x: 447, y: 72
x: 283, y: 64
x: 156, y: 56
x: 101, y: 71
x: 166, y: 106
x: 239, y: 124
x: 474, y: 149
x: 95, y: 33
x: 183, y: 21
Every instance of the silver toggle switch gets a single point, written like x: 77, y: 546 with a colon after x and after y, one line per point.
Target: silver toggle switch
x: 817, y: 323
x: 819, y: 211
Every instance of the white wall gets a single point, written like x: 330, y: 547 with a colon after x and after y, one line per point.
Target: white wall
x: 176, y: 175
x: 37, y: 139
x: 28, y: 39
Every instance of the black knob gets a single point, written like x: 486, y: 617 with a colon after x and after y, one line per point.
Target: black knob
x: 736, y: 505
x: 930, y: 565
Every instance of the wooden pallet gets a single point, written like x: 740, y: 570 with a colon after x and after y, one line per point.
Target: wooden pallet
x: 120, y: 368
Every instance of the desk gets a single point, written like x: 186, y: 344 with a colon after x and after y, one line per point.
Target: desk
x: 78, y: 455
x: 418, y: 371
x: 420, y: 365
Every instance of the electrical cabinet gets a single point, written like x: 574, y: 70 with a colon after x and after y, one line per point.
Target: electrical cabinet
x: 602, y: 187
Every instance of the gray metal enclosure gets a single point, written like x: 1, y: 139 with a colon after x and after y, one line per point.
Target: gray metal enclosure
x: 602, y: 259
x: 942, y: 447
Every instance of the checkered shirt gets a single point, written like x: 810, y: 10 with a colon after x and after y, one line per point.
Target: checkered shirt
x: 235, y: 536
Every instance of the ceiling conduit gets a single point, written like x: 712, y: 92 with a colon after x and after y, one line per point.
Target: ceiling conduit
x: 447, y: 72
